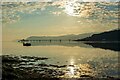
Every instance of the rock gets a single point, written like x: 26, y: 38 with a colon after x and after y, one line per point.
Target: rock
x: 86, y: 76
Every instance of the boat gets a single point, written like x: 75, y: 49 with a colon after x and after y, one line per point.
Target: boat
x: 27, y: 44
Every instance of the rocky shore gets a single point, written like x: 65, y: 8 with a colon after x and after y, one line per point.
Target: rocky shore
x: 33, y: 68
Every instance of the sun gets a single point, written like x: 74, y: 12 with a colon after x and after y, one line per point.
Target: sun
x: 71, y: 8
x: 75, y: 8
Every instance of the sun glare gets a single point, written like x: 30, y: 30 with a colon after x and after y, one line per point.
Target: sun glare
x: 69, y: 10
x: 72, y: 8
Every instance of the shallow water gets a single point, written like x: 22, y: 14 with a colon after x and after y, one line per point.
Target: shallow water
x: 93, y: 61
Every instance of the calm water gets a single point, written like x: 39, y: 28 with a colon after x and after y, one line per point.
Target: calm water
x: 21, y: 20
x: 98, y: 61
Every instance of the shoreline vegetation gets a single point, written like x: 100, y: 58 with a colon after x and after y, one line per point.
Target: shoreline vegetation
x: 29, y: 68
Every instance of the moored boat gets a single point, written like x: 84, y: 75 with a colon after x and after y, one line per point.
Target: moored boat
x: 27, y: 44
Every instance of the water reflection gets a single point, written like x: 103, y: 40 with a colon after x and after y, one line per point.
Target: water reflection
x: 102, y: 45
x: 73, y: 62
x: 58, y: 43
x: 71, y: 68
x: 78, y: 70
x: 110, y: 46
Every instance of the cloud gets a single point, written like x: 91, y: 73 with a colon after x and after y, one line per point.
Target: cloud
x: 11, y: 10
x: 102, y: 11
x: 101, y: 0
x: 87, y: 9
x: 59, y: 0
x: 56, y: 13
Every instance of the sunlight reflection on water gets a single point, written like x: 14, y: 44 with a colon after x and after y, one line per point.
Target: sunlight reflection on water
x: 76, y: 71
x: 71, y: 69
x: 78, y: 61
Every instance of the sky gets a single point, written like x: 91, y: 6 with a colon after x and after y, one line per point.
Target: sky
x: 21, y: 20
x: 61, y: 0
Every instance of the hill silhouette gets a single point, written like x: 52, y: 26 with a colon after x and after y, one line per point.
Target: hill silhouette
x: 107, y: 40
x: 105, y: 36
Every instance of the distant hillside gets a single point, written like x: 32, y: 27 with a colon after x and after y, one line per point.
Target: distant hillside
x: 64, y: 37
x: 105, y: 36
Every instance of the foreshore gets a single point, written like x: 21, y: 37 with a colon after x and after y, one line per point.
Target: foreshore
x: 31, y: 68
